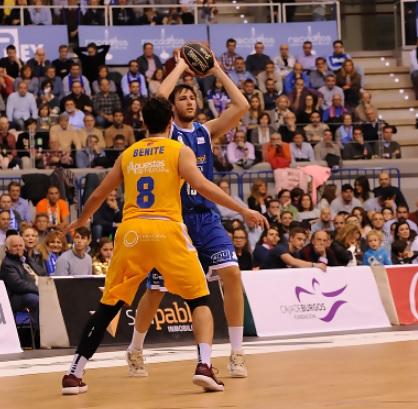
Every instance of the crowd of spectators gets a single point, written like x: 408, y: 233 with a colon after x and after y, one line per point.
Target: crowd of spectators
x: 70, y: 111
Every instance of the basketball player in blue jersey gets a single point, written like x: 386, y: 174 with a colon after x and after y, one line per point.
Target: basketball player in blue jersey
x: 214, y: 246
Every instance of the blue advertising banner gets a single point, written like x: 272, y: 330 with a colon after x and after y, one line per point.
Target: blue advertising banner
x: 27, y: 39
x: 126, y: 42
x: 322, y: 34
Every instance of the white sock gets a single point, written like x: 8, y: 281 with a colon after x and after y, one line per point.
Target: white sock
x: 204, y: 351
x: 236, y: 335
x: 137, y: 341
x: 77, y: 366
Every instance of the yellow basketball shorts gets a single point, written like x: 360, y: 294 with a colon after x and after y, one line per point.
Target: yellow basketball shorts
x: 143, y: 244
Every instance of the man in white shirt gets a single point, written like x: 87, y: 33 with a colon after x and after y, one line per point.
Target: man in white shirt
x: 76, y: 117
x: 285, y: 61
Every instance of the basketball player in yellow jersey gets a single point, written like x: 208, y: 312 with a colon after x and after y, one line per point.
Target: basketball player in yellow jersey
x: 153, y: 171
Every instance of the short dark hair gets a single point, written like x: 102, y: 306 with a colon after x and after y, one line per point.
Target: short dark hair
x: 337, y: 42
x: 75, y: 64
x: 10, y: 47
x: 132, y: 61
x: 391, y: 127
x: 62, y: 46
x: 157, y: 113
x: 346, y: 186
x: 297, y: 230
x: 231, y: 40
x: 83, y: 232
x: 399, y: 246
x: 13, y: 183
x: 178, y: 89
x: 119, y: 137
x: 320, y: 59
x: 30, y: 121
x: 307, y: 42
x: 92, y: 45
x: 271, y: 201
x: 147, y: 43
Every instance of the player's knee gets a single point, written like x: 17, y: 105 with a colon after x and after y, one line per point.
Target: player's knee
x: 198, y: 302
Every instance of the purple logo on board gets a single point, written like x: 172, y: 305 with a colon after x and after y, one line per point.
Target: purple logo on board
x: 331, y: 295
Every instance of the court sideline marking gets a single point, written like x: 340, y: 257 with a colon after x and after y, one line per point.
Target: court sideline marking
x: 181, y: 353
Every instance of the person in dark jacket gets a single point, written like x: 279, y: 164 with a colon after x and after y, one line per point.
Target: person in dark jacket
x: 148, y: 61
x: 107, y: 219
x: 91, y: 58
x: 20, y: 279
x: 240, y: 241
x: 318, y: 251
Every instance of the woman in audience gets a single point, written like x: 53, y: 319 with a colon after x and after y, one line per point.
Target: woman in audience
x: 218, y: 100
x: 362, y: 189
x: 51, y: 248
x: 102, y: 257
x: 403, y: 232
x: 350, y: 81
x: 262, y: 132
x: 259, y: 196
x: 155, y: 82
x: 310, y: 105
x: 295, y: 195
x: 133, y: 117
x: 251, y: 119
x: 26, y: 75
x: 277, y: 152
x: 344, y: 133
x: 346, y: 243
x: 268, y: 240
x: 307, y: 212
x: 328, y: 195
x: 286, y: 203
x: 45, y: 118
x: 363, y: 219
x: 48, y: 97
x: 33, y: 256
x: 286, y: 220
x: 103, y: 72
x: 240, y: 241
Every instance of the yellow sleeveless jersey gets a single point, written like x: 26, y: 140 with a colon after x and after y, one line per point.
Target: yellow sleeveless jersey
x: 152, y: 181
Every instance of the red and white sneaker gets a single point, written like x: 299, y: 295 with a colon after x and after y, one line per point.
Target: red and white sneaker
x: 206, y: 378
x: 71, y: 385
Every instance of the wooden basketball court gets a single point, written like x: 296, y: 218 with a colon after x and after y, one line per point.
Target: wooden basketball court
x: 380, y: 376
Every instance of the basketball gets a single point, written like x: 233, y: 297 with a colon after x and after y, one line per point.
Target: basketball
x: 198, y: 57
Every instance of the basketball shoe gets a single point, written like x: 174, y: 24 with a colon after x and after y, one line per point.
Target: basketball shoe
x: 236, y: 365
x: 206, y: 378
x: 71, y: 385
x: 136, y: 363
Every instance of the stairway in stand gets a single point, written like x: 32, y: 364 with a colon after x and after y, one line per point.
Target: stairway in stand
x: 392, y: 94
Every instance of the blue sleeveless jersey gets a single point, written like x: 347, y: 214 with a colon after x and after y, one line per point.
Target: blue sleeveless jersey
x: 199, y: 141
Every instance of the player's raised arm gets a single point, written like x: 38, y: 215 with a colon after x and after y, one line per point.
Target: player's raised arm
x: 171, y: 80
x: 239, y: 105
x: 194, y: 177
x: 111, y: 181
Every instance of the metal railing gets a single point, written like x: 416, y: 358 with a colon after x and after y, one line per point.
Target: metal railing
x: 276, y: 12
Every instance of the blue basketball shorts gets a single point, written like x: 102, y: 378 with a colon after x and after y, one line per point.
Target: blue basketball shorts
x: 212, y: 243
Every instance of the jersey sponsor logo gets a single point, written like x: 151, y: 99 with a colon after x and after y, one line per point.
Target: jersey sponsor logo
x: 130, y: 239
x: 223, y: 256
x: 154, y: 166
x: 200, y: 140
x: 201, y: 160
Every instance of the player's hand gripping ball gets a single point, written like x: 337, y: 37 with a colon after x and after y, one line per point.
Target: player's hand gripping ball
x: 198, y: 57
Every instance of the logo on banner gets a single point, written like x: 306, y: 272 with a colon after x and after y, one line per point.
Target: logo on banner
x: 249, y: 41
x: 164, y: 44
x: 324, y: 307
x: 317, y: 38
x: 10, y: 36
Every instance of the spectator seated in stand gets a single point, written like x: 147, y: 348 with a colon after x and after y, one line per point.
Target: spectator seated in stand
x: 53, y: 245
x: 132, y: 75
x: 148, y: 61
x: 376, y: 254
x: 21, y: 105
x: 20, y: 279
x: 307, y: 59
x: 242, y: 250
x: 103, y: 256
x: 281, y: 110
x: 358, y: 149
x: 103, y: 73
x: 116, y: 149
x: 82, y: 101
x: 250, y: 91
x: 335, y: 113
x: 92, y: 156
x: 64, y: 135
x: 401, y: 254
x: 227, y: 214
x: 4, y: 225
x: 402, y: 212
x: 56, y: 208
x: 328, y: 151
x: 307, y: 213
x: 315, y: 130
x: 8, y: 153
x: 51, y: 76
x: 220, y: 160
x: 270, y: 95
x: 105, y: 103
x: 284, y: 61
x: 372, y: 130
x: 240, y: 152
x: 287, y: 255
x: 268, y: 240
x: 217, y: 99
x: 41, y: 225
x: 365, y: 103
x: 329, y: 90
x: 93, y: 16
x: 344, y: 133
x: 259, y: 196
x: 75, y: 75
x: 15, y: 217
x: 228, y: 58
x: 270, y: 73
x: 272, y: 213
x: 257, y: 61
x: 33, y: 256
x: 289, y: 81
x: 134, y: 94
x: 346, y: 201
x: 318, y: 250
x: 276, y: 152
x: 119, y: 128
x: 107, y: 219
x: 338, y: 57
x: 325, y: 221
x: 300, y: 150
x: 239, y: 74
x: 27, y: 76
x: 286, y: 204
x: 384, y: 182
x: 90, y: 129
x: 391, y: 149
x: 345, y: 244
x: 350, y: 81
x: 63, y: 64
x: 76, y: 261
x: 122, y: 15
x: 75, y: 116
x: 19, y: 204
x: 317, y: 77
